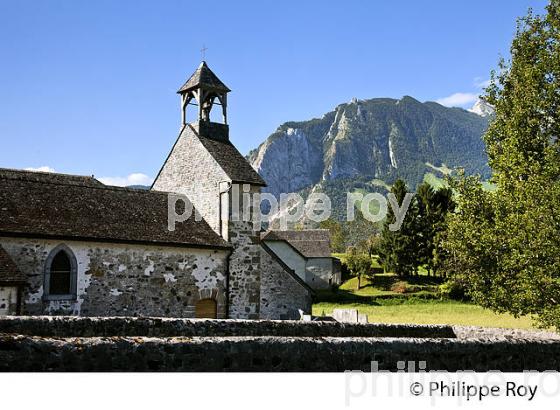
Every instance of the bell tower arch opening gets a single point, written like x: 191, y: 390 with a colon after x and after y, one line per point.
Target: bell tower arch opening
x: 203, y: 90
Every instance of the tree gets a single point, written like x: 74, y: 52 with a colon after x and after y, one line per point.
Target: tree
x: 427, y: 219
x: 443, y: 206
x: 505, y: 245
x: 398, y: 250
x: 372, y: 245
x: 433, y: 207
x: 359, y: 264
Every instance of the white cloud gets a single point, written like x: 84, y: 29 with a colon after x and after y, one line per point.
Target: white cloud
x: 458, y: 99
x: 480, y: 82
x: 132, y: 179
x: 40, y: 169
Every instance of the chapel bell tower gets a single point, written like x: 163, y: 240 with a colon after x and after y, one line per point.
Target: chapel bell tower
x: 217, y: 179
x: 205, y: 90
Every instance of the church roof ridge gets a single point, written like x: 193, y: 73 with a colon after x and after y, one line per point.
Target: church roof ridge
x: 47, y: 177
x: 58, y: 179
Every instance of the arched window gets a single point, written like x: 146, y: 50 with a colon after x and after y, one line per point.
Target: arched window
x: 60, y: 274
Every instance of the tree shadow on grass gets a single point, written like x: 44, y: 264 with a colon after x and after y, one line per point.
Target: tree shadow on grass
x: 342, y: 296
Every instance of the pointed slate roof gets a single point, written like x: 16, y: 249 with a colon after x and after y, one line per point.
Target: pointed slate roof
x: 203, y: 77
x: 9, y: 272
x: 70, y: 207
x: 235, y: 165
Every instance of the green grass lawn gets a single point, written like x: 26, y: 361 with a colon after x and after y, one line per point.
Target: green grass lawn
x: 429, y: 312
x: 420, y: 303
x: 435, y: 181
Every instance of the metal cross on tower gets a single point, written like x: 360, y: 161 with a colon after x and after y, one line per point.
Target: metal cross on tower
x: 203, y: 51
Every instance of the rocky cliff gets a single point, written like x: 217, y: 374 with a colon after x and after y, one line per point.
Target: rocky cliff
x: 371, y: 140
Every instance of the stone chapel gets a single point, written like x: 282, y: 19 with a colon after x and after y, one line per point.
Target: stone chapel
x: 70, y: 245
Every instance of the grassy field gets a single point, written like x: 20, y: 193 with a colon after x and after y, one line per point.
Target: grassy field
x: 390, y: 299
x: 429, y: 312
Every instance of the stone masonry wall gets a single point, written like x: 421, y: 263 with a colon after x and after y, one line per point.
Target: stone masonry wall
x: 72, y: 326
x: 245, y: 267
x: 191, y: 171
x: 244, y: 271
x: 270, y: 354
x: 124, y: 280
x: 281, y: 294
x: 8, y: 300
x: 158, y: 344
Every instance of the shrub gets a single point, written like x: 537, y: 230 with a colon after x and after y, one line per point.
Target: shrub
x: 452, y: 290
x: 399, y: 287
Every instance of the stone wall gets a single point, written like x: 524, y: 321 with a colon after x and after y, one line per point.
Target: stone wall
x: 281, y: 294
x: 64, y: 326
x: 260, y: 354
x: 245, y: 267
x: 190, y: 170
x: 244, y: 271
x: 8, y: 300
x: 124, y: 280
x: 88, y: 344
x: 318, y: 273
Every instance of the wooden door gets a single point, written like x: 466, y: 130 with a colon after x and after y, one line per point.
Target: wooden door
x: 206, y: 308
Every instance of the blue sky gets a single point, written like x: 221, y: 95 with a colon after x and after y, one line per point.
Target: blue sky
x: 88, y: 87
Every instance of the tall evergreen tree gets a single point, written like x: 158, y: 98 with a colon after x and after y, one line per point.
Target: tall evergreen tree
x: 442, y: 206
x: 398, y: 250
x: 426, y: 223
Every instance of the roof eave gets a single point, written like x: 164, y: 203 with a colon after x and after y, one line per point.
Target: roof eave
x: 31, y: 235
x: 185, y: 89
x: 238, y: 181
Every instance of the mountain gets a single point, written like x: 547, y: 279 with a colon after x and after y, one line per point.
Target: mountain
x: 482, y: 108
x: 367, y: 144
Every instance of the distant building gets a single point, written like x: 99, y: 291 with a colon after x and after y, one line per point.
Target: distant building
x: 72, y: 245
x: 308, y: 253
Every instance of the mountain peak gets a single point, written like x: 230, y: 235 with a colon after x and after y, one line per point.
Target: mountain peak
x: 482, y: 108
x: 379, y: 138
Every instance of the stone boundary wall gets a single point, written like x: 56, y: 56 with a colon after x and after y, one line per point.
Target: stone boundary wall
x: 264, y: 354
x: 158, y: 344
x: 71, y: 326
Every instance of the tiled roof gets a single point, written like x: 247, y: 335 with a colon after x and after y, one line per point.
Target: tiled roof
x: 49, y: 177
x: 311, y: 243
x: 204, y: 77
x: 230, y: 160
x: 9, y: 272
x: 73, y: 207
